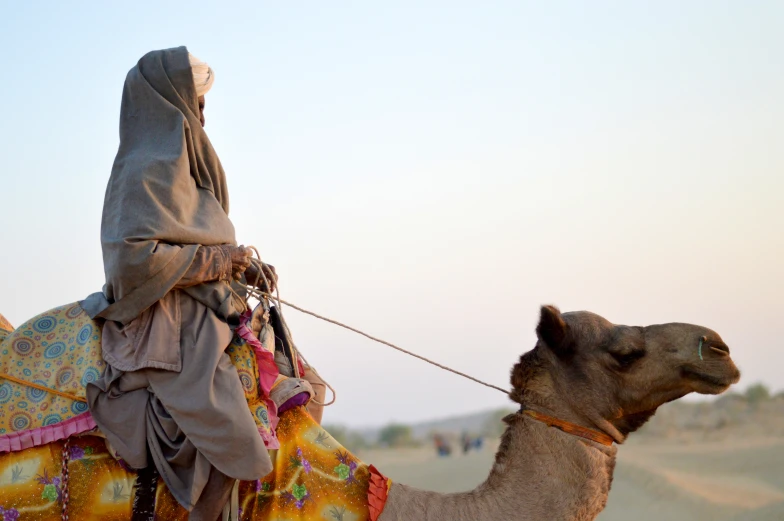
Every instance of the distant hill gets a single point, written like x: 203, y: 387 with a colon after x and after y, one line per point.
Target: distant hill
x: 484, y: 423
x: 754, y: 413
x: 730, y: 415
x: 475, y: 424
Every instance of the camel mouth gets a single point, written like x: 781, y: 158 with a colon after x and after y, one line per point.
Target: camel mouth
x: 711, y: 383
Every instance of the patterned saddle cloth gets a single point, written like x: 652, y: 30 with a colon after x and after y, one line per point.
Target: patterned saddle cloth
x: 313, y: 477
x: 46, y: 362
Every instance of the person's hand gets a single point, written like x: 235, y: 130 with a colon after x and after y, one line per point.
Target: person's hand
x: 253, y: 277
x: 240, y: 260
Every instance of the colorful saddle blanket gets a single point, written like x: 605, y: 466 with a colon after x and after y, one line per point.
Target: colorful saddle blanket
x: 313, y: 477
x: 46, y: 363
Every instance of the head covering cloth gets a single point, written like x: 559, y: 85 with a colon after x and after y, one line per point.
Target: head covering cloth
x: 167, y: 193
x: 203, y: 76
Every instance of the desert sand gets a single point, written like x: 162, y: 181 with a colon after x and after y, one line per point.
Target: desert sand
x: 713, y: 481
x: 696, y: 462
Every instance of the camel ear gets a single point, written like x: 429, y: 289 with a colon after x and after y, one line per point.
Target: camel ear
x: 552, y: 330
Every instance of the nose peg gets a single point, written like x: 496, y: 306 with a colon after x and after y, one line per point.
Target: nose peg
x: 721, y: 348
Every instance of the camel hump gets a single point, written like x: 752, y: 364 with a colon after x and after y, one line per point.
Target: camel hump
x: 5, y: 325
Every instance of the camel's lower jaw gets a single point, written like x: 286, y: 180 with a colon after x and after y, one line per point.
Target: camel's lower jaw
x: 704, y: 383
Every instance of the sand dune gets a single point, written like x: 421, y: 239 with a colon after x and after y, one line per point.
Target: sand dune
x: 716, y: 480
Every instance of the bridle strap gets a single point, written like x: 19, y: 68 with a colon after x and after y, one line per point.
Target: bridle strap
x: 570, y: 428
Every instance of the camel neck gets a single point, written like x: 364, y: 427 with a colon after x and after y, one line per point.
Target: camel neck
x: 548, y: 401
x: 570, y: 428
x: 539, y: 473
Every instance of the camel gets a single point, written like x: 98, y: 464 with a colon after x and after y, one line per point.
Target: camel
x: 585, y: 386
x: 585, y: 371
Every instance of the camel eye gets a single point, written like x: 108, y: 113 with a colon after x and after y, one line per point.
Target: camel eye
x: 627, y: 359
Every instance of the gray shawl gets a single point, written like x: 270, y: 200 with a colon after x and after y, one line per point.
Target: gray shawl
x: 166, y: 196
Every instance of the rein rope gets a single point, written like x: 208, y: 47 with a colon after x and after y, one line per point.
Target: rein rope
x: 258, y: 294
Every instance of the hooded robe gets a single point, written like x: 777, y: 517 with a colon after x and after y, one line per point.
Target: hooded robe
x: 169, y: 388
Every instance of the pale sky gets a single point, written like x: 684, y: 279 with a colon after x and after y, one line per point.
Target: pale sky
x: 432, y: 172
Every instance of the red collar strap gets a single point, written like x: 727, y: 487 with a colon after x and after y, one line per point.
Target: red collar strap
x: 570, y: 428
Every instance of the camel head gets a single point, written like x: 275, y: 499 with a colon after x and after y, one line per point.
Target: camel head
x: 614, y: 377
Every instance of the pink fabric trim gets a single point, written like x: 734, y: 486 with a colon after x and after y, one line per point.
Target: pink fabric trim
x: 268, y: 370
x: 270, y: 439
x: 378, y: 492
x: 21, y: 440
x: 82, y: 423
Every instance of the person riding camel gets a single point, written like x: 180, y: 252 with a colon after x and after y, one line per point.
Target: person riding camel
x: 172, y: 301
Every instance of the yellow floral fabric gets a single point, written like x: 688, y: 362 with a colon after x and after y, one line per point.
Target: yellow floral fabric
x: 244, y: 360
x: 32, y: 485
x: 313, y: 478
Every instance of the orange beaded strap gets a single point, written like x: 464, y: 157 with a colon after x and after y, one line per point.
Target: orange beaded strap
x: 570, y: 428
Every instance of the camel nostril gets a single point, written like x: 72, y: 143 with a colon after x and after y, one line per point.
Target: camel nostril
x: 721, y: 349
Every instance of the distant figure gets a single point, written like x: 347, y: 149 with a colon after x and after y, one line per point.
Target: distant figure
x: 467, y: 442
x: 471, y: 443
x: 442, y: 447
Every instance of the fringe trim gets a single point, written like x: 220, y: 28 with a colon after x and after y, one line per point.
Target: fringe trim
x: 21, y: 440
x: 378, y: 492
x: 16, y: 441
